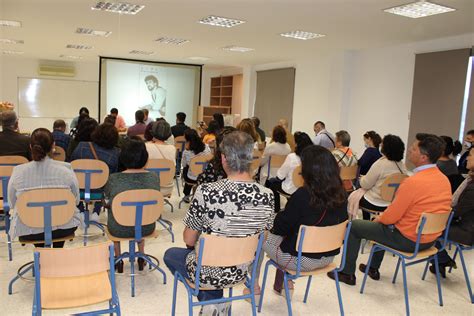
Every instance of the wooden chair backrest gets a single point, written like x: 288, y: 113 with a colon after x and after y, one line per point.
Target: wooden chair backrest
x: 276, y: 161
x: 435, y: 222
x: 390, y: 186
x: 349, y: 173
x: 257, y: 154
x: 297, y: 177
x: 33, y: 216
x: 262, y: 145
x: 198, y: 163
x: 221, y: 251
x: 74, y: 262
x: 98, y: 180
x: 179, y: 143
x: 59, y: 154
x: 255, y: 165
x: 12, y: 160
x: 322, y: 239
x: 167, y: 170
x: 5, y: 172
x: 125, y: 215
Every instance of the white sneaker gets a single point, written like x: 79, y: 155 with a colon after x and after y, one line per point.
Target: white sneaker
x: 209, y: 310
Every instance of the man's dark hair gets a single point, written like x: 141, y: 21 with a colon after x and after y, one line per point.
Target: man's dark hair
x: 302, y: 140
x: 109, y: 119
x: 195, y: 142
x: 430, y: 145
x: 375, y: 137
x: 151, y: 78
x: 105, y: 135
x: 139, y: 116
x: 134, y: 154
x: 213, y: 127
x: 470, y: 132
x: 393, y: 147
x: 344, y: 138
x: 219, y: 118
x: 256, y: 121
x: 181, y: 116
x: 114, y: 111
x: 279, y: 135
x: 84, y: 110
x: 58, y: 124
x: 320, y: 123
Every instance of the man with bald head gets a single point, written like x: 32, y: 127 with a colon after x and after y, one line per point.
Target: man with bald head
x: 13, y: 143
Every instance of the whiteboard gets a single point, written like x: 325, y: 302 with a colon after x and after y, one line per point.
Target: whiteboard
x: 41, y: 101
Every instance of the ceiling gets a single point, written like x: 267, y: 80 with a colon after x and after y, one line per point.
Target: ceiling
x: 49, y: 25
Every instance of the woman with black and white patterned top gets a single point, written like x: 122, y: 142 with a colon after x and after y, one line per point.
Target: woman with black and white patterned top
x: 233, y: 207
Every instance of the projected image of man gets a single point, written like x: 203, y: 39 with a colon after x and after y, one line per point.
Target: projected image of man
x: 158, y: 97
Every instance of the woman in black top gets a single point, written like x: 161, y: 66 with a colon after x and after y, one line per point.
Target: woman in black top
x: 322, y: 201
x: 372, y: 142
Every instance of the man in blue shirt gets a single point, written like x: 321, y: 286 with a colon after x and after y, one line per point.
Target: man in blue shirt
x: 61, y: 139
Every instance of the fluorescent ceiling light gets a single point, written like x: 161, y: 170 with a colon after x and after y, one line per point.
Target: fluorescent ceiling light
x: 220, y: 21
x: 118, y: 7
x: 10, y: 23
x: 239, y: 49
x: 141, y: 52
x: 12, y: 52
x: 70, y: 56
x: 419, y: 9
x: 86, y: 31
x: 302, y: 35
x: 79, y: 46
x: 199, y: 58
x: 170, y: 40
x: 11, y: 41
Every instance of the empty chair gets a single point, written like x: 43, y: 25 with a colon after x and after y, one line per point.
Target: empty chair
x: 75, y: 277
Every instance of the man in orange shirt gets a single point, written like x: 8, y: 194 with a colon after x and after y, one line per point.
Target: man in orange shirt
x: 427, y: 191
x: 119, y: 121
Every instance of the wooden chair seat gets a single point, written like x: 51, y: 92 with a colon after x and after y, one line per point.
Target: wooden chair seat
x: 75, y: 291
x: 421, y: 254
x: 155, y: 234
x: 325, y: 269
x: 32, y: 242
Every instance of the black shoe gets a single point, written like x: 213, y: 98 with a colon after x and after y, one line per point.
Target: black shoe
x: 442, y: 270
x: 141, y: 264
x: 119, y: 267
x: 374, y: 274
x: 349, y: 279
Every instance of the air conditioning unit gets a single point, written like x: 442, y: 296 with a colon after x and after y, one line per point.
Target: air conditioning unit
x: 57, y: 70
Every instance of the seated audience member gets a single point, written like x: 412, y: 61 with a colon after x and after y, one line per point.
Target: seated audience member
x: 289, y: 137
x: 284, y: 176
x: 42, y: 172
x: 212, y: 131
x: 468, y: 143
x: 12, y: 143
x: 323, y: 137
x: 390, y: 163
x: 133, y: 157
x: 462, y: 225
x: 119, y: 121
x: 446, y: 163
x: 320, y: 202
x: 139, y: 127
x: 246, y: 126
x: 109, y: 119
x: 260, y: 132
x: 147, y: 119
x: 344, y: 155
x: 61, y: 139
x: 194, y: 147
x: 371, y: 154
x: 214, y: 170
x: 219, y: 118
x: 83, y: 133
x: 427, y: 191
x: 75, y: 121
x: 238, y: 191
x: 278, y: 146
x: 179, y: 129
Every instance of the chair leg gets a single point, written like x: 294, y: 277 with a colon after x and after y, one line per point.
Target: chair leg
x: 86, y: 223
x: 175, y: 288
x: 177, y: 186
x: 339, y: 296
x: 10, y: 285
x: 230, y: 308
x: 169, y: 228
x: 132, y: 265
x: 254, y: 304
x: 454, y: 257
x: 9, y: 243
x: 426, y: 270
x: 466, y: 275
x: 190, y: 304
x: 367, y: 268
x: 396, y: 270
x: 262, y: 291
x: 308, y: 284
x: 287, y: 294
x: 440, y: 294
x: 405, y: 287
x: 168, y: 202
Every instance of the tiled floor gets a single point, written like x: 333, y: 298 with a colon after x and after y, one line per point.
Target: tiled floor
x: 154, y: 298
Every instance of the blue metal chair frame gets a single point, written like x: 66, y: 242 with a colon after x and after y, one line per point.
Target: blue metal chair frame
x: 48, y: 237
x: 132, y: 254
x: 6, y: 215
x: 459, y: 249
x: 288, y: 276
x: 114, y: 305
x: 204, y: 165
x: 178, y: 163
x: 87, y: 198
x: 249, y: 283
x: 402, y: 259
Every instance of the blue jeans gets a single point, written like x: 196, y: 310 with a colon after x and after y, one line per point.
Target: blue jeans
x: 175, y: 260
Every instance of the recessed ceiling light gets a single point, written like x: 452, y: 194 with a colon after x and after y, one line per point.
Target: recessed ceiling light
x: 11, y: 41
x: 141, y: 52
x: 12, y: 52
x: 86, y: 31
x: 79, y: 46
x: 220, y: 21
x: 70, y: 56
x: 239, y: 49
x: 170, y: 40
x: 118, y: 7
x: 10, y: 23
x: 302, y: 35
x: 199, y: 58
x: 419, y: 9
